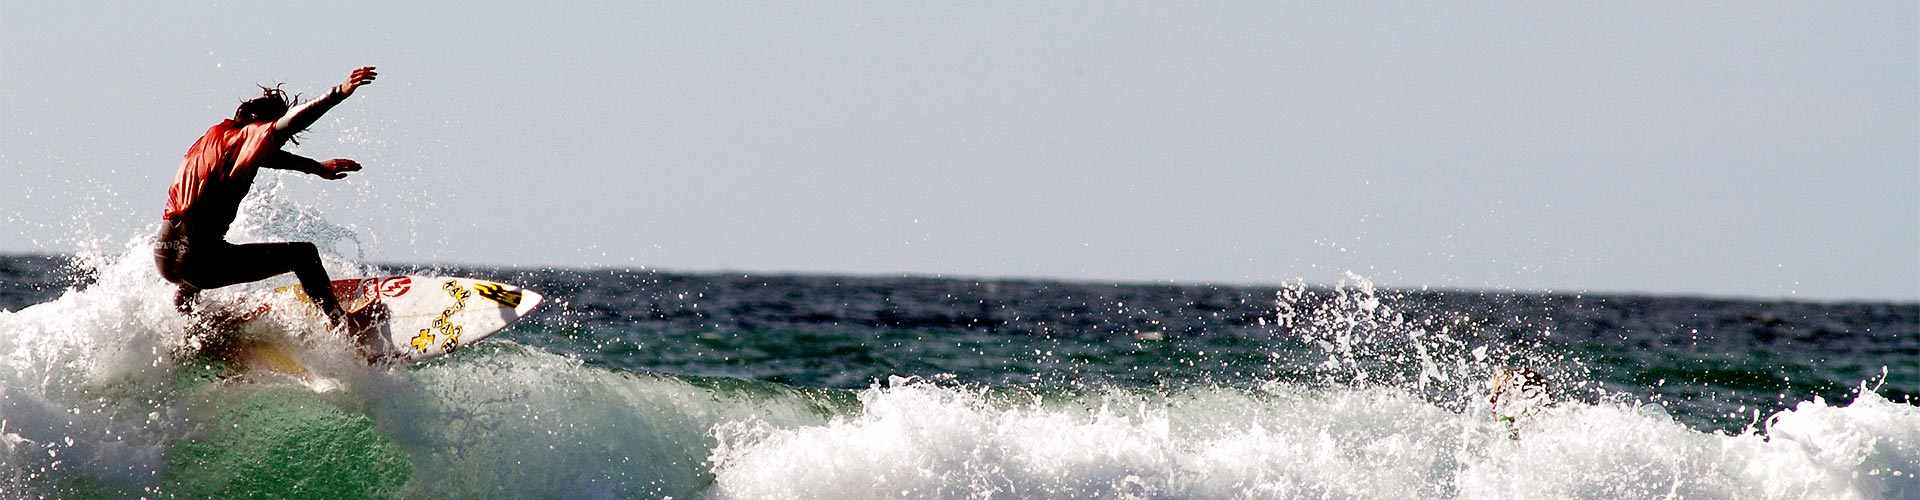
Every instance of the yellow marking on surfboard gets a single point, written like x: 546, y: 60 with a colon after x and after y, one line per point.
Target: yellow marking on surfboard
x: 448, y: 332
x: 499, y: 294
x: 424, y: 340
x: 459, y: 294
x: 452, y: 339
x: 298, y: 293
x: 275, y: 357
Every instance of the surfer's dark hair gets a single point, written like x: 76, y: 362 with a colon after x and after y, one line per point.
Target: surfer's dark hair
x: 271, y: 104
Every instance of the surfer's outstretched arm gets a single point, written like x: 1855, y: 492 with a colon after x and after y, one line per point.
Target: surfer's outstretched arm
x: 302, y: 116
x: 333, y: 169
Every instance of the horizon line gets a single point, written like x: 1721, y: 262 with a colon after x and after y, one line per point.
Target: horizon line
x: 1585, y: 293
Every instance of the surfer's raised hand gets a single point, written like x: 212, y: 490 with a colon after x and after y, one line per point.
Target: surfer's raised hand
x: 337, y: 168
x: 361, y: 76
x: 303, y: 115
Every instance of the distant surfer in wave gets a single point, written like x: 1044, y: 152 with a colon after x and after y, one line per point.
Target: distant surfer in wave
x: 1514, y: 394
x: 216, y: 174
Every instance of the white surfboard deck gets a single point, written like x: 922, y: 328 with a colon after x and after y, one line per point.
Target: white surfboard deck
x: 410, y: 319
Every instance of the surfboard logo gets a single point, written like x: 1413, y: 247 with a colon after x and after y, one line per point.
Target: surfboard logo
x: 443, y: 328
x: 422, y: 341
x: 498, y: 294
x: 396, y: 286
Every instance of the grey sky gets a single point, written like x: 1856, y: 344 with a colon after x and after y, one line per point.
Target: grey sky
x: 1749, y: 148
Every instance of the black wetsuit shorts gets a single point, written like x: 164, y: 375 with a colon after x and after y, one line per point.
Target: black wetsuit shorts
x: 211, y: 262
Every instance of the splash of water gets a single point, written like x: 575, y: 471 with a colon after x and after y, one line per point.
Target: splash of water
x: 1358, y: 335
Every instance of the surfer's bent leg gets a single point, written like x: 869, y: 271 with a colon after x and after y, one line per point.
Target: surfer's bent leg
x: 257, y: 261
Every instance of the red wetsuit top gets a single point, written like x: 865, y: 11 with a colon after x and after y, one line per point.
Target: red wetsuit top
x: 216, y: 173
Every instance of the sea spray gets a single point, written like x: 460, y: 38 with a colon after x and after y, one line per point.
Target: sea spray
x: 84, y: 378
x: 1354, y: 334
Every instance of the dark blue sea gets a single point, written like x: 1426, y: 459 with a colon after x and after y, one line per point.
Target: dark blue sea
x: 641, y: 383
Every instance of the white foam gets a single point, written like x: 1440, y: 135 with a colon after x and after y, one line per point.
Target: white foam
x: 80, y: 374
x: 922, y: 441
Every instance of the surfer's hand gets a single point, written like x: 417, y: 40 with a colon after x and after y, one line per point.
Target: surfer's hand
x: 361, y: 76
x: 337, y: 168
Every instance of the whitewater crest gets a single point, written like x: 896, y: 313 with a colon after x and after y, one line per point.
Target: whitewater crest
x: 1282, y: 441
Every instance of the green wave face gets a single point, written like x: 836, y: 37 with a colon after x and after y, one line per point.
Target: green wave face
x: 284, y: 442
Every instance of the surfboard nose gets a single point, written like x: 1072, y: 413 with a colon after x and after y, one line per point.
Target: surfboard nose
x: 529, y: 299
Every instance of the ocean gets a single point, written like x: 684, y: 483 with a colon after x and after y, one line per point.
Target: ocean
x: 642, y: 383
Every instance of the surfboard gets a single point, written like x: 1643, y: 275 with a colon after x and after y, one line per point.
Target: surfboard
x: 410, y: 319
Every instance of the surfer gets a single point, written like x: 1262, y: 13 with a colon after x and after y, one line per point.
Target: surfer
x: 218, y: 170
x: 1514, y: 394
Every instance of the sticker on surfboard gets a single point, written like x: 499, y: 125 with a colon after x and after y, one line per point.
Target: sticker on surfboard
x: 409, y: 319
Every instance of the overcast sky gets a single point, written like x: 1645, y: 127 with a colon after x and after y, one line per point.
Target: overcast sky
x: 1748, y: 148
